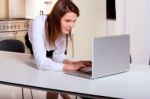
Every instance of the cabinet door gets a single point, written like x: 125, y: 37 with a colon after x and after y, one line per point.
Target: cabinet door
x: 16, y: 8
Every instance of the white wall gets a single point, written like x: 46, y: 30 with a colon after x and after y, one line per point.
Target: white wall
x: 133, y: 17
x: 111, y: 27
x: 91, y: 22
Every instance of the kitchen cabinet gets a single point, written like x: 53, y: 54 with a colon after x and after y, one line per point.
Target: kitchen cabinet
x: 33, y: 8
x: 3, y: 8
x: 16, y: 8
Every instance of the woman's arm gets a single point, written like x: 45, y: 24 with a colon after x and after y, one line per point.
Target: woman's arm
x: 38, y: 44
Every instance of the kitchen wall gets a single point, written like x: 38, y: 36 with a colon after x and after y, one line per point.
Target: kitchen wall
x: 111, y: 27
x: 91, y: 23
x: 133, y: 17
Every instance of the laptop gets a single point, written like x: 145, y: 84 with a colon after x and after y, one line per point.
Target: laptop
x: 110, y: 55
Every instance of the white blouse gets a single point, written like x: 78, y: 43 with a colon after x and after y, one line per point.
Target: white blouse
x: 40, y: 45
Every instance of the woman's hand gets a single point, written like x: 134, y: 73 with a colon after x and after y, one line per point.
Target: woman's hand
x: 73, y: 66
x: 76, y: 65
x: 85, y: 63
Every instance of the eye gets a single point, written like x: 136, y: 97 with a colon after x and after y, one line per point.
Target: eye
x: 67, y: 20
x: 74, y: 21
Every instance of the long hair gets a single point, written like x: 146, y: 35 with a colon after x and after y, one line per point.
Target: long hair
x: 53, y: 25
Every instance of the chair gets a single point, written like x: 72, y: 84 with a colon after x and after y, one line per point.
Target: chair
x: 13, y: 45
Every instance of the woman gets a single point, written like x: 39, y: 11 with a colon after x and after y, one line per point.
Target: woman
x: 48, y: 36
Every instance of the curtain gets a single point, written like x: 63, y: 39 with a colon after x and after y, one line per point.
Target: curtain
x: 133, y: 17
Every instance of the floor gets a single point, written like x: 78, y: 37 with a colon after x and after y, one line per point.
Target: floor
x: 11, y: 92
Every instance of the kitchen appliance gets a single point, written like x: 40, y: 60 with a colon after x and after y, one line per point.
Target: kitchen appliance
x: 14, y: 28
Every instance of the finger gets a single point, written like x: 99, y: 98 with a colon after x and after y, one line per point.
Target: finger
x: 76, y: 62
x: 87, y: 63
x: 80, y: 66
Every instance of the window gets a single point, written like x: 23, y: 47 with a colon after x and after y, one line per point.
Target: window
x: 110, y: 9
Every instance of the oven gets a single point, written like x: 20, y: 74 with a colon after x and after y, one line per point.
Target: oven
x: 14, y: 28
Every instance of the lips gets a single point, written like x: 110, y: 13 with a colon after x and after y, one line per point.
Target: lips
x: 68, y: 30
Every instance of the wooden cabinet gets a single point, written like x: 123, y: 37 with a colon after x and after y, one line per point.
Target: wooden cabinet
x: 16, y: 8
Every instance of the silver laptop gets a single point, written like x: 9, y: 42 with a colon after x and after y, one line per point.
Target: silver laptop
x: 110, y: 55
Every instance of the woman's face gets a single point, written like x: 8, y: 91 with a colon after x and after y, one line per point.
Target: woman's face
x: 67, y: 22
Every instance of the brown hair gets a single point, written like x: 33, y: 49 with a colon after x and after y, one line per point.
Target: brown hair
x: 53, y: 25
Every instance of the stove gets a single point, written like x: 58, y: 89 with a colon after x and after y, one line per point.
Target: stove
x: 14, y: 28
x: 14, y: 24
